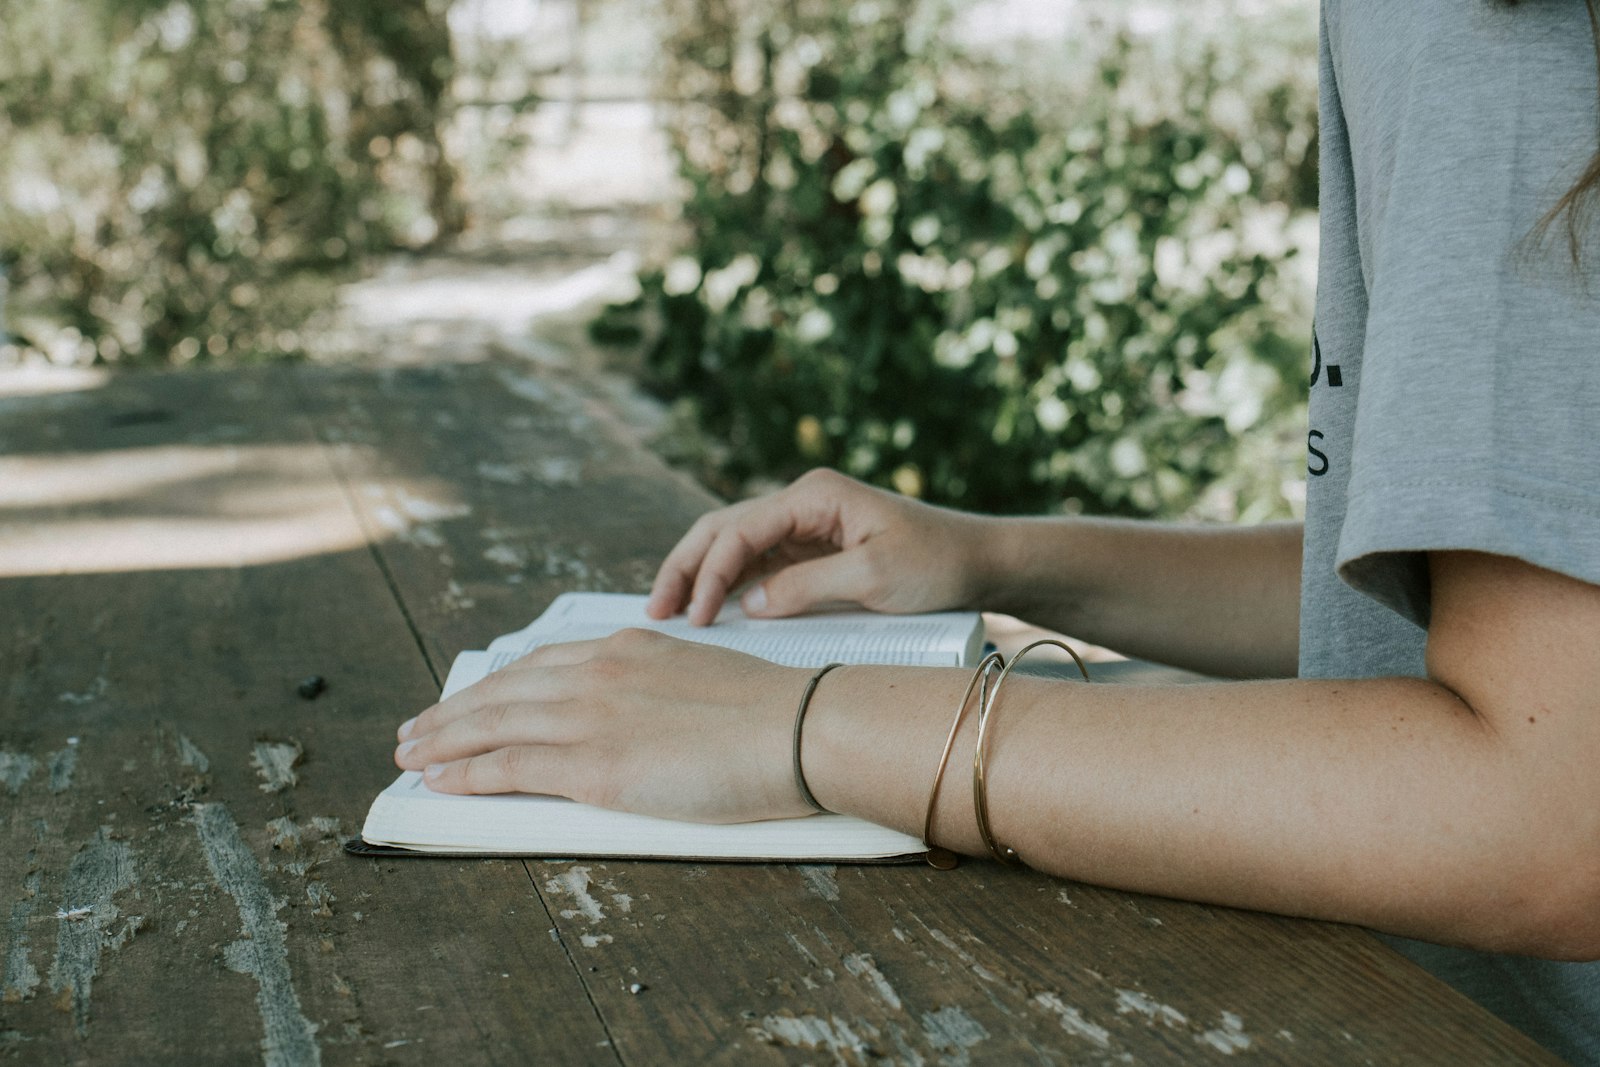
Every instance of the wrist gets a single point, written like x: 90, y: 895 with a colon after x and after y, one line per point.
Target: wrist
x: 872, y: 743
x: 1028, y: 566
x: 988, y: 559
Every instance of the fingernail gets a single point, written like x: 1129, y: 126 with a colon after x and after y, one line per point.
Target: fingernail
x: 756, y: 600
x: 433, y: 771
x: 407, y: 747
x: 693, y: 610
x: 405, y: 727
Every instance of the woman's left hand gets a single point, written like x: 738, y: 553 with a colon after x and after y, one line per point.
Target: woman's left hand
x: 637, y: 721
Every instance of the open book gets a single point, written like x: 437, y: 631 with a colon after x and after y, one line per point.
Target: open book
x: 408, y: 817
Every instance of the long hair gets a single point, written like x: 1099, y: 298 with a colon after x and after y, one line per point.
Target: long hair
x: 1576, y: 204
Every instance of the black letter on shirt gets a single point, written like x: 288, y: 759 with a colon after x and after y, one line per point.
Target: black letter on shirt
x: 1335, y: 377
x: 1312, y: 466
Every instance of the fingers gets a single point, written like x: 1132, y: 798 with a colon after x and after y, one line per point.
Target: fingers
x: 730, y: 554
x: 710, y: 559
x: 712, y: 556
x: 737, y: 551
x: 485, y: 729
x: 494, y: 686
x: 519, y: 769
x: 842, y: 578
x: 675, y: 577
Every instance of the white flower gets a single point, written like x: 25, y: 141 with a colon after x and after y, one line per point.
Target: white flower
x: 681, y: 277
x: 1052, y: 414
x: 879, y: 198
x: 813, y: 326
x: 721, y: 286
x: 1127, y: 458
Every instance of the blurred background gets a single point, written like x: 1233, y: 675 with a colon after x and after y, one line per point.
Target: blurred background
x: 1020, y: 256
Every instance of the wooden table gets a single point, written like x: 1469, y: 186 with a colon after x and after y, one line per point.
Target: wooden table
x: 179, y: 551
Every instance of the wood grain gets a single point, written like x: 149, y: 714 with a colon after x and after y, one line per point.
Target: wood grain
x: 171, y: 680
x: 177, y: 552
x: 849, y: 965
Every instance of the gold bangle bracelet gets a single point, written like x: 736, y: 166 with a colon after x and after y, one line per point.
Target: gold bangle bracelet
x: 942, y: 858
x: 980, y: 784
x: 799, y: 724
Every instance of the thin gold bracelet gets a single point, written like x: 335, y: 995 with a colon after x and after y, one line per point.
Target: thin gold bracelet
x: 942, y: 858
x: 980, y: 785
x: 799, y: 724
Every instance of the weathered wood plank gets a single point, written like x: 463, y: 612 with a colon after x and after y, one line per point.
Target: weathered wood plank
x: 501, y: 493
x: 490, y: 491
x: 175, y: 556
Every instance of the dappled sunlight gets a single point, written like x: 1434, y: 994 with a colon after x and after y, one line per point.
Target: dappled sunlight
x: 177, y: 507
x: 34, y: 380
x: 509, y: 299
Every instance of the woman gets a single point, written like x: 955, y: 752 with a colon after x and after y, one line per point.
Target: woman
x: 1428, y: 768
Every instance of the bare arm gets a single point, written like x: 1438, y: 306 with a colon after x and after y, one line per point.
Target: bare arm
x: 1223, y: 601
x: 1463, y: 808
x: 1218, y: 600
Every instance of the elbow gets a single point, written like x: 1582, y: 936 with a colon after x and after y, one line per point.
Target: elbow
x: 1552, y: 854
x: 1553, y: 910
x: 1574, y: 934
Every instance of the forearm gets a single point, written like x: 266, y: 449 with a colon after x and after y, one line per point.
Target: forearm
x: 1384, y: 802
x: 1222, y: 601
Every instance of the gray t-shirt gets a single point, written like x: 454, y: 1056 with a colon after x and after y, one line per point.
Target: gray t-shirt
x: 1455, y: 390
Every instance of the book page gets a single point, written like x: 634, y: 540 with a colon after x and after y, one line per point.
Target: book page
x: 944, y: 639
x: 471, y: 668
x: 410, y: 815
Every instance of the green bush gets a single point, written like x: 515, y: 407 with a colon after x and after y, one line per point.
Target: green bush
x: 1000, y: 285
x: 182, y: 175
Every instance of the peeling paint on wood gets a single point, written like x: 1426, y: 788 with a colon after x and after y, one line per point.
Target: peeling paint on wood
x: 819, y: 878
x: 62, y: 764
x: 506, y: 556
x: 321, y: 898
x: 420, y: 509
x: 812, y: 1031
x: 864, y: 966
x: 326, y: 825
x: 289, y: 1038
x: 1073, y: 1021
x: 575, y: 884
x: 455, y: 598
x: 284, y: 833
x: 15, y: 767
x: 952, y: 1030
x: 800, y: 947
x: 20, y: 979
x: 192, y: 756
x: 96, y: 690
x: 908, y: 1054
x: 1227, y: 1038
x: 100, y: 870
x: 1131, y: 1000
x: 962, y: 954
x: 275, y: 761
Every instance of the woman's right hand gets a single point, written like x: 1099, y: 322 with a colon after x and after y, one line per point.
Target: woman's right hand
x: 824, y: 541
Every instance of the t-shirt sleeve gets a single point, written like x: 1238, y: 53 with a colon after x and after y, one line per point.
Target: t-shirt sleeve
x: 1478, y: 419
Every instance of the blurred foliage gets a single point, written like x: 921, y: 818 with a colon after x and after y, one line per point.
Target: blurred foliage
x: 181, y: 179
x: 1063, y: 284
